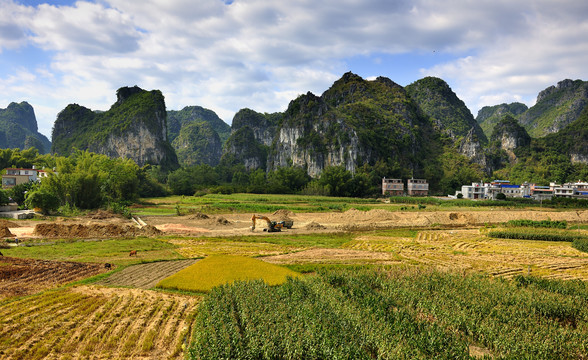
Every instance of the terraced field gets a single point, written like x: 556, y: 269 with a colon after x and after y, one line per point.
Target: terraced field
x: 97, y: 323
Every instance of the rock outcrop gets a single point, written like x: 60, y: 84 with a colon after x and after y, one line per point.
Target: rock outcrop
x: 134, y: 127
x: 355, y: 122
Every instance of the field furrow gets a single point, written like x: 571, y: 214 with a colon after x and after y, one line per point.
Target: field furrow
x: 98, y: 323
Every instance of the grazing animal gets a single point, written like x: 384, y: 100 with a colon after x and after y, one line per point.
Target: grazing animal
x: 107, y: 266
x: 133, y: 252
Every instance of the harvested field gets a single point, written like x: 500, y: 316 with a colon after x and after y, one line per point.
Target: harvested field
x: 145, y: 276
x: 27, y: 276
x: 97, y: 323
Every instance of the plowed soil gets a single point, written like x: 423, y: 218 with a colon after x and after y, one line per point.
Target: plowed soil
x: 146, y: 276
x: 28, y: 276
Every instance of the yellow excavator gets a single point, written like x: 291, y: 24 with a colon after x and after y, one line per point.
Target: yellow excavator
x: 272, y: 226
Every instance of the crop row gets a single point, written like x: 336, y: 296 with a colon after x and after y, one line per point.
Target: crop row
x: 66, y: 323
x: 535, y: 235
x: 538, y: 224
x: 364, y: 314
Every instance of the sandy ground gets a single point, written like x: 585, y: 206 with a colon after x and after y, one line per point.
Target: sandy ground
x: 351, y: 220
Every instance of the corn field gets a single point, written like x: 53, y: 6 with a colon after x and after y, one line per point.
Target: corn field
x: 401, y: 314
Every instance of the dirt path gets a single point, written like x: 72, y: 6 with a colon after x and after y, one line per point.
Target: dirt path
x: 146, y: 276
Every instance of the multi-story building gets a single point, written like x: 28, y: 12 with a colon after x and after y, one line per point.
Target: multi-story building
x: 394, y: 187
x: 16, y: 176
x: 474, y: 191
x: 418, y: 187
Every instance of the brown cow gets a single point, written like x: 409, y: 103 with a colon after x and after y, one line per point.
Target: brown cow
x: 133, y: 252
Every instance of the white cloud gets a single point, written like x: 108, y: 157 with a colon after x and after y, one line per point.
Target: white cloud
x: 261, y: 54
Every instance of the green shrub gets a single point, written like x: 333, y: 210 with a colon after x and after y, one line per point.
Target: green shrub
x: 580, y: 244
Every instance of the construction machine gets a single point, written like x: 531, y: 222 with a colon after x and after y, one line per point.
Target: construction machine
x: 272, y: 226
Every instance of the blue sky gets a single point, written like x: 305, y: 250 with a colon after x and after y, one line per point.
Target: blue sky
x: 260, y: 54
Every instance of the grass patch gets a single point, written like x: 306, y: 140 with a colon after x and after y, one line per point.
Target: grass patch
x: 222, y: 269
x: 114, y: 251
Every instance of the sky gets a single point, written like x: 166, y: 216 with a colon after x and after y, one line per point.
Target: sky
x: 261, y: 54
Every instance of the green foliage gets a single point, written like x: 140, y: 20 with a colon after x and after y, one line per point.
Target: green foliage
x: 18, y: 192
x: 500, y: 196
x: 362, y: 314
x: 538, y: 224
x: 336, y: 180
x: 4, y: 197
x: 43, y: 200
x: 457, y: 171
x: 87, y: 181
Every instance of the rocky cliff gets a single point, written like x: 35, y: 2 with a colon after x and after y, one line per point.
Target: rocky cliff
x: 556, y: 107
x: 18, y: 128
x: 354, y: 122
x: 134, y: 127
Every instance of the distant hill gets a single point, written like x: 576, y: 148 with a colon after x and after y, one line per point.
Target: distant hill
x: 556, y: 107
x: 489, y: 116
x: 449, y: 113
x: 18, y: 128
x: 134, y: 127
x: 354, y: 122
x: 178, y: 118
x: 197, y: 134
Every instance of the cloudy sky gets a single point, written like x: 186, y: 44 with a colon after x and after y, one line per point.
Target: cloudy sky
x: 260, y: 54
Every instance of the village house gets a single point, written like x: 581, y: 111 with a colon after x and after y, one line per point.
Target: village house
x: 17, y: 176
x: 394, y: 187
x: 417, y: 187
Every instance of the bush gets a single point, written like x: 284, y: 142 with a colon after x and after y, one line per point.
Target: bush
x: 42, y: 199
x: 500, y: 196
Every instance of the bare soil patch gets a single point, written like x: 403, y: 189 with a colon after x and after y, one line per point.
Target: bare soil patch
x: 146, y: 276
x: 27, y: 276
x: 50, y: 230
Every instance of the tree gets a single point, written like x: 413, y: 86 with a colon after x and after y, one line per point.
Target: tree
x: 42, y: 199
x: 336, y: 180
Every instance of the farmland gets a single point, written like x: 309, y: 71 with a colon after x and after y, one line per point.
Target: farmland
x: 433, y: 282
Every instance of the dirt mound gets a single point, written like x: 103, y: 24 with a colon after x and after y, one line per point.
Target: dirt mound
x: 102, y: 214
x: 283, y: 214
x: 4, y: 232
x: 222, y: 221
x: 10, y: 224
x: 314, y: 226
x: 199, y: 216
x: 94, y: 230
